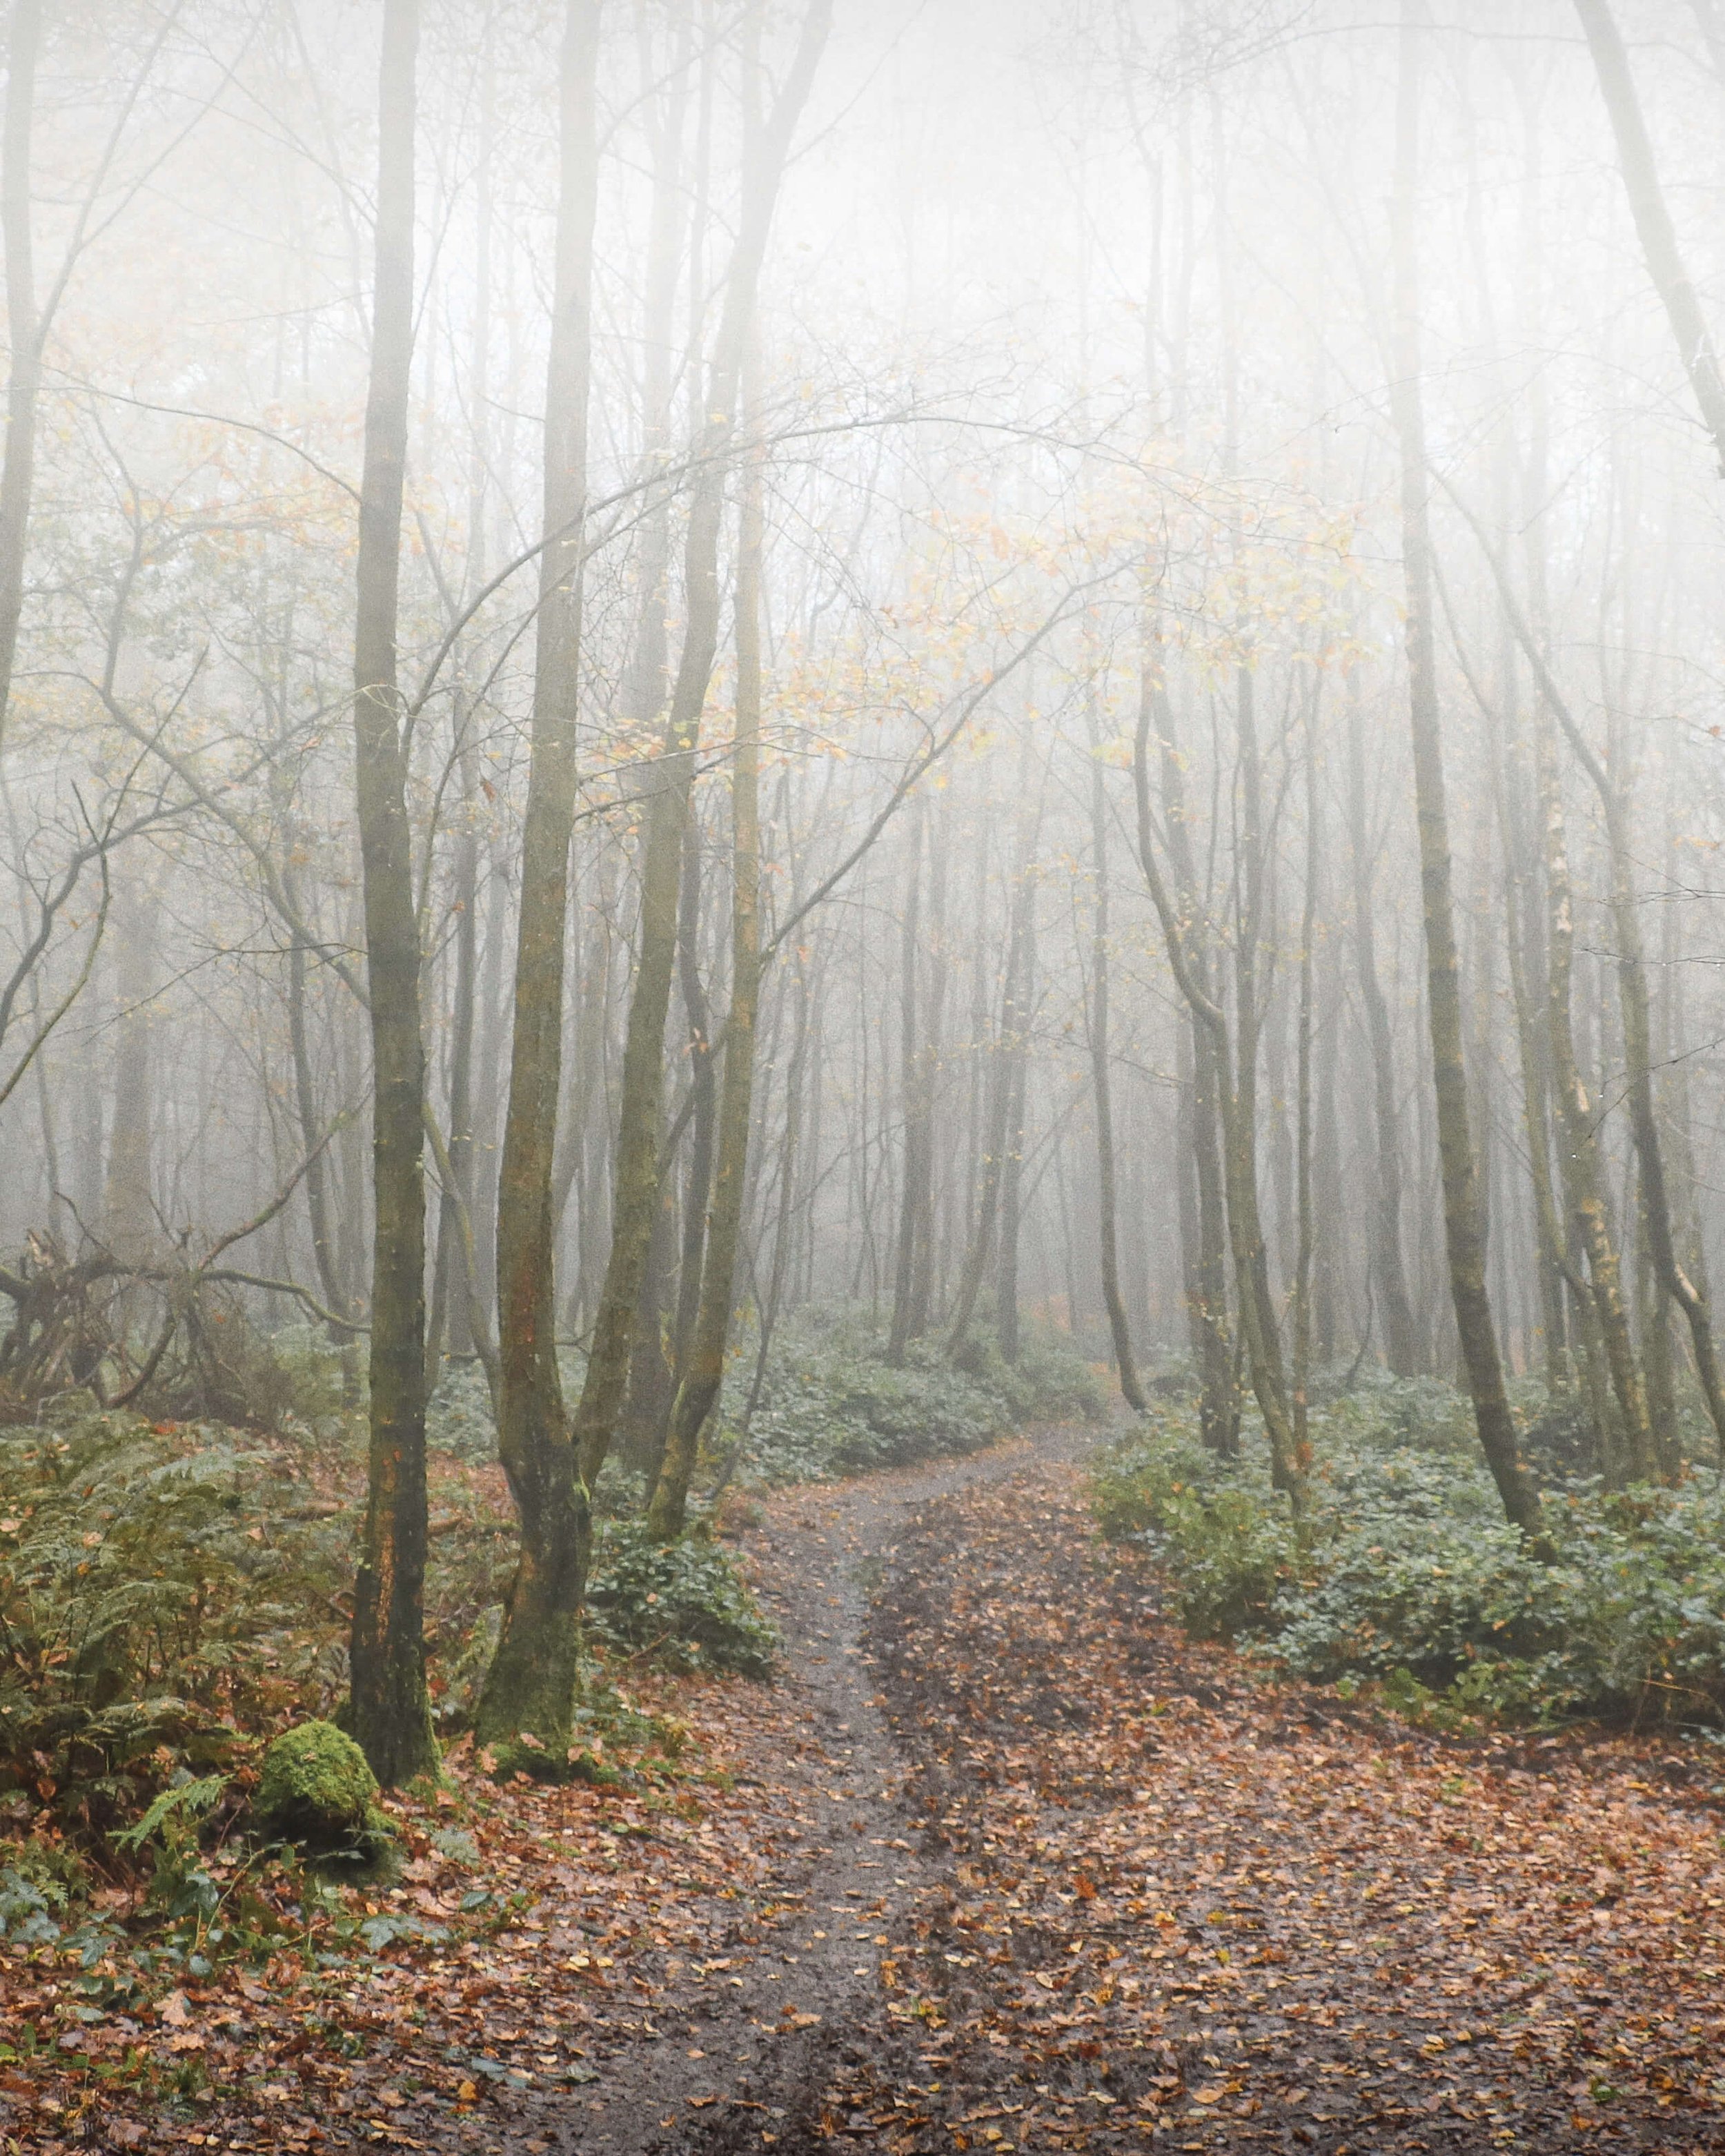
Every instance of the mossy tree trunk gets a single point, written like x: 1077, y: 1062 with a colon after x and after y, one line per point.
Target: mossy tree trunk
x: 391, y: 1707
x: 529, y: 1690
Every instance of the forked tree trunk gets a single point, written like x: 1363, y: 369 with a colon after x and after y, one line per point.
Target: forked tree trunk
x: 704, y: 1372
x: 637, y: 1173
x: 1287, y: 1459
x: 525, y: 1708
x: 391, y: 1708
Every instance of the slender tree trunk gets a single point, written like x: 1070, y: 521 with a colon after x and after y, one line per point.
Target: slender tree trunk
x: 1388, y: 1276
x: 450, y: 1285
x: 526, y: 1706
x: 912, y: 1068
x: 1012, y: 1159
x: 24, y: 334
x: 1008, y: 1045
x: 130, y: 1225
x: 391, y: 1708
x: 1653, y: 217
x: 1218, y: 1393
x: 1464, y: 1223
x: 704, y: 1372
x: 1288, y: 1462
x: 636, y: 1184
x: 1633, y: 1003
x: 1101, y: 1080
x: 1525, y: 947
x: 1307, y: 1225
x: 703, y: 1080
x: 1584, y: 1178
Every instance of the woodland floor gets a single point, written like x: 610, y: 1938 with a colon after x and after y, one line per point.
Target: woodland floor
x: 1002, y: 1862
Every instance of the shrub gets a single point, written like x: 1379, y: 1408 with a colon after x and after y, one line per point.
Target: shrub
x: 684, y: 1602
x: 1228, y: 1545
x: 833, y: 1405
x: 1406, y: 1573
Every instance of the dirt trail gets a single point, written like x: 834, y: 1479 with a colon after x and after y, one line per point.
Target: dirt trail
x: 740, y: 2060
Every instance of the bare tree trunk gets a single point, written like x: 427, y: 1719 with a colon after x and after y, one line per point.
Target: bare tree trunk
x: 391, y: 1708
x: 1583, y: 1179
x: 1525, y: 947
x: 1389, y: 1277
x: 1464, y: 1223
x: 130, y: 1224
x: 636, y: 1180
x: 449, y: 1269
x: 1012, y: 1158
x: 704, y: 1372
x: 1307, y: 1227
x: 1101, y: 1080
x: 1653, y: 217
x: 1008, y: 1045
x: 913, y: 1084
x: 1207, y: 1281
x: 448, y: 1314
x: 703, y: 1080
x: 1633, y: 1002
x: 24, y: 334
x: 1289, y: 1465
x: 525, y: 1708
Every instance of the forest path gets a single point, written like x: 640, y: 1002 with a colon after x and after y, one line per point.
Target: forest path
x: 1170, y: 1902
x: 1004, y: 1861
x: 743, y: 2052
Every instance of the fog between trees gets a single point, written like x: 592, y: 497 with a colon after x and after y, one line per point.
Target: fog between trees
x: 1040, y: 667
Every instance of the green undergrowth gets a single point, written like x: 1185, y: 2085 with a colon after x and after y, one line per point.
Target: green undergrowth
x: 832, y: 1404
x: 684, y: 1603
x: 1406, y: 1578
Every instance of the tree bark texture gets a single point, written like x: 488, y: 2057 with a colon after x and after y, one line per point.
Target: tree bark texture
x: 529, y: 1690
x: 704, y: 1372
x: 637, y: 1171
x: 1464, y: 1221
x: 391, y: 1708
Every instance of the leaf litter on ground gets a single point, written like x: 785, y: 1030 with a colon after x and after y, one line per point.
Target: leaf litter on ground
x: 1160, y: 1899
